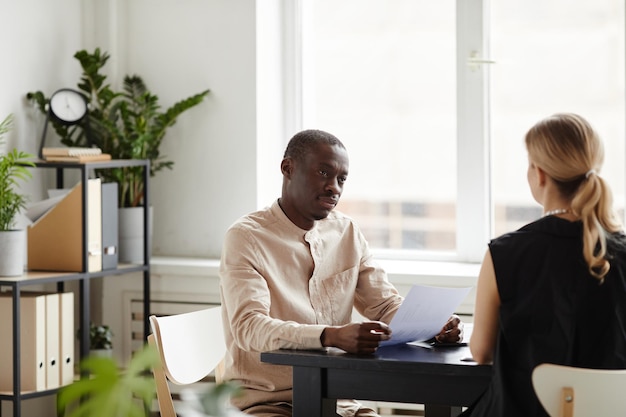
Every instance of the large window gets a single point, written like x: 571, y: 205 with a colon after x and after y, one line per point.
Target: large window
x: 434, y: 130
x: 553, y: 56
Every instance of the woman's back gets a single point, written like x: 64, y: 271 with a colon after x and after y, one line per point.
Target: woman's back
x: 552, y: 310
x: 555, y: 290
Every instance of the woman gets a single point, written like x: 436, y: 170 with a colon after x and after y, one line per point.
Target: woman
x: 555, y: 290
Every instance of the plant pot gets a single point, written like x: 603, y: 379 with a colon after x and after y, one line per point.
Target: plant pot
x: 131, y: 233
x: 12, y: 252
x: 101, y: 353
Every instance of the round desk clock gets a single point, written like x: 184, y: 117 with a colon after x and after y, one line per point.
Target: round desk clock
x: 67, y: 107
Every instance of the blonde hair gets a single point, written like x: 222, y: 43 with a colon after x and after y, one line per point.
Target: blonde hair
x: 568, y: 149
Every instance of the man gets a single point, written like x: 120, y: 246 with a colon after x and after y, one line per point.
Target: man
x: 291, y: 274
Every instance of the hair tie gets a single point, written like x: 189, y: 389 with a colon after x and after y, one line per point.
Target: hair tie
x: 591, y: 171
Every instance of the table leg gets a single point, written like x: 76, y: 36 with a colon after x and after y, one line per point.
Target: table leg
x: 309, y: 388
x: 432, y: 410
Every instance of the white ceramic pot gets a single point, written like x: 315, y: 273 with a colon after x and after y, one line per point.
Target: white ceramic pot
x: 101, y: 353
x: 130, y: 234
x: 12, y: 252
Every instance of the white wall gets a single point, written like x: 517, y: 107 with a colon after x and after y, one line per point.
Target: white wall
x: 180, y: 48
x: 36, y: 36
x: 39, y: 38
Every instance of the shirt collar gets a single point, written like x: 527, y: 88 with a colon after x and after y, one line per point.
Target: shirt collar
x: 283, y: 219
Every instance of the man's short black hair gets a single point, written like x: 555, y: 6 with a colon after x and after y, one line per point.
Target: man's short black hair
x: 303, y: 142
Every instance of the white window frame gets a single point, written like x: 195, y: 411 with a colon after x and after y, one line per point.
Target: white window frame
x: 474, y: 202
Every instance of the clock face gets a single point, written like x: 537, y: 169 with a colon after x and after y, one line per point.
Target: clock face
x: 68, y: 105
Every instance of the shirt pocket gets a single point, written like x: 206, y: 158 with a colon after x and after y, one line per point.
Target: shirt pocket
x: 338, y: 295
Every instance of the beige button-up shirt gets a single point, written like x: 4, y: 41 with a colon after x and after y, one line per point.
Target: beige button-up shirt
x: 282, y: 285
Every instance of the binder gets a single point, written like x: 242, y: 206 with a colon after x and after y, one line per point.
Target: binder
x: 94, y: 225
x: 66, y: 336
x: 52, y: 341
x: 55, y: 239
x: 110, y: 240
x: 32, y: 342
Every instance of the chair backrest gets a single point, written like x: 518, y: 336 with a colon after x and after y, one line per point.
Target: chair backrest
x: 191, y: 346
x: 566, y: 391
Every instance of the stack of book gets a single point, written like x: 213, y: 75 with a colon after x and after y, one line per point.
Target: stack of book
x: 74, y: 154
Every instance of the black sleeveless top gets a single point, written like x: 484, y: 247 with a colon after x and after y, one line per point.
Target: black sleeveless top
x: 552, y: 310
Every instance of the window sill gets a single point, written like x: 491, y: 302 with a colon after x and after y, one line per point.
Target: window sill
x: 444, y: 272
x: 399, y: 271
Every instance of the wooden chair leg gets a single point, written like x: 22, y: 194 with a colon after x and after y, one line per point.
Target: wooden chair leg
x: 567, y: 402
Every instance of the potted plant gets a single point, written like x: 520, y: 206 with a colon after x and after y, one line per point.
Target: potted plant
x: 100, y: 339
x: 109, y: 391
x: 13, y: 168
x: 127, y: 124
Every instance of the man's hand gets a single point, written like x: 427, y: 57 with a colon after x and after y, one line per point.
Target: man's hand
x: 362, y: 338
x: 452, y: 331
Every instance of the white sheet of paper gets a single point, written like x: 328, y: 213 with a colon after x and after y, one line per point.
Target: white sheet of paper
x: 35, y: 210
x: 424, y: 312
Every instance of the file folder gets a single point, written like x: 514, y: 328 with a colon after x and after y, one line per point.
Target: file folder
x: 94, y: 225
x: 52, y: 341
x: 32, y: 342
x: 110, y: 240
x: 66, y: 336
x: 55, y: 239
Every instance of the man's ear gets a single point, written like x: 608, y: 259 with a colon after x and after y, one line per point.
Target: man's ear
x: 286, y: 167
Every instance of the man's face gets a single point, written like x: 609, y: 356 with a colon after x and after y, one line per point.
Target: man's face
x: 313, y: 186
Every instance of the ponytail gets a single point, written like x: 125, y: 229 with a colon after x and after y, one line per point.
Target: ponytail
x: 593, y: 204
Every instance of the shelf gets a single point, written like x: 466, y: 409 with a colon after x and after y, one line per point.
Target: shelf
x: 4, y: 395
x: 113, y: 163
x: 83, y: 277
x: 46, y: 277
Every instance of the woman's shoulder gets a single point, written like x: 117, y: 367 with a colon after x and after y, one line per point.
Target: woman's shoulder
x: 545, y: 226
x: 521, y: 233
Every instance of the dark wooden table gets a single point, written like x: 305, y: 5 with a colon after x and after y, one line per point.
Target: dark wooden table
x: 441, y: 378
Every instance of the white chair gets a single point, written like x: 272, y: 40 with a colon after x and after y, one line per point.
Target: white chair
x: 566, y: 391
x: 191, y: 346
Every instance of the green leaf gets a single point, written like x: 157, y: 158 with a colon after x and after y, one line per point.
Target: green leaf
x: 109, y: 391
x: 13, y: 169
x: 127, y: 124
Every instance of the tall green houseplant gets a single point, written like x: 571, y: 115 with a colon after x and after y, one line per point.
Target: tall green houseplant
x: 127, y: 124
x: 12, y: 170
